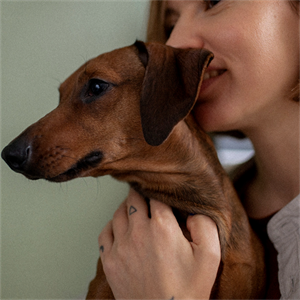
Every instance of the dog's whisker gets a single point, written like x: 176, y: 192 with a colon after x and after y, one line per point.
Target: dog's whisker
x: 86, y: 184
x: 67, y: 156
x: 98, y: 183
x: 90, y: 137
x: 84, y: 58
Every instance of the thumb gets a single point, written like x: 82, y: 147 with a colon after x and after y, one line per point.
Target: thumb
x: 205, y: 238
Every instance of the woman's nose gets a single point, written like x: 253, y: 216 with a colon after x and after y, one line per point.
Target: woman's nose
x: 185, y: 35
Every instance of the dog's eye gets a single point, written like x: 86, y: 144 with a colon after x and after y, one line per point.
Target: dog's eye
x: 96, y: 87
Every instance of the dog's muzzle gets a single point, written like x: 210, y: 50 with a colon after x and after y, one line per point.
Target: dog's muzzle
x: 21, y: 158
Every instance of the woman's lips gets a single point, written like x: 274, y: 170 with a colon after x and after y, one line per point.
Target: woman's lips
x: 210, y: 76
x: 212, y: 73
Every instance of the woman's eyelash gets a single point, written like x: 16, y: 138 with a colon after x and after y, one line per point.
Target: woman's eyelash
x: 211, y: 3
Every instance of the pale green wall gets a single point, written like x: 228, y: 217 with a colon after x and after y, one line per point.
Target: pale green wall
x: 49, y: 231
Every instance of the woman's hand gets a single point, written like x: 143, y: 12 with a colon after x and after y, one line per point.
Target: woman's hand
x: 150, y: 257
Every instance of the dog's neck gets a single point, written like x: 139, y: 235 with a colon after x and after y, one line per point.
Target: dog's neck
x: 184, y: 172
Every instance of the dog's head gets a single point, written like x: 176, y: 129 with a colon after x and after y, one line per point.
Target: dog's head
x: 113, y: 109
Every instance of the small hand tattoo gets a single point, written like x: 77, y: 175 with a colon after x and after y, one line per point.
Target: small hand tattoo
x: 101, y: 249
x: 132, y: 210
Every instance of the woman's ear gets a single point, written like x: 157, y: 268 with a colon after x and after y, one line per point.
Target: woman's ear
x: 171, y: 86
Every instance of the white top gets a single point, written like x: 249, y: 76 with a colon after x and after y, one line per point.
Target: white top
x: 284, y: 232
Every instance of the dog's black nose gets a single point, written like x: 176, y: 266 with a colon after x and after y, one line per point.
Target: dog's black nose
x: 16, y: 154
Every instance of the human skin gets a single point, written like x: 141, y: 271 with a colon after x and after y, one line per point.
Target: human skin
x: 149, y: 258
x: 256, y: 64
x: 256, y: 43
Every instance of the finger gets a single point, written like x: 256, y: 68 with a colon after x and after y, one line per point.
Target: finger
x: 161, y: 211
x: 163, y: 218
x: 106, y: 239
x: 136, y: 203
x: 205, y: 237
x: 120, y: 221
x: 134, y: 206
x: 137, y: 209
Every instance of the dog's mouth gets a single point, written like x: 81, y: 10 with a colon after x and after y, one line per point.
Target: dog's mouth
x: 90, y: 161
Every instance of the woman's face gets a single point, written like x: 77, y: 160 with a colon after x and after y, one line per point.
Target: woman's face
x: 256, y: 64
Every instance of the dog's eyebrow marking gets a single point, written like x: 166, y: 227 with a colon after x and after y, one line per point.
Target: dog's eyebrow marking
x: 132, y: 210
x: 85, y: 67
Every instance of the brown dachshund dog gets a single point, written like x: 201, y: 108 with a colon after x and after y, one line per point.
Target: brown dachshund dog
x: 127, y: 113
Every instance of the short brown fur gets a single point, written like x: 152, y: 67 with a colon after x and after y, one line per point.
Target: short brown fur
x: 116, y: 133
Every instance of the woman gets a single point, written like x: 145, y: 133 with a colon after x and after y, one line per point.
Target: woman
x: 252, y: 86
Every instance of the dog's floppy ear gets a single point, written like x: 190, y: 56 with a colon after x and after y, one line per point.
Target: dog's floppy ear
x: 170, y: 89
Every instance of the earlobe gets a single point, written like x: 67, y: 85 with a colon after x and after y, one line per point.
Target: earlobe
x: 171, y: 84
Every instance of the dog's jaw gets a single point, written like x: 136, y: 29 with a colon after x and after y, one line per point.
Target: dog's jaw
x: 90, y: 161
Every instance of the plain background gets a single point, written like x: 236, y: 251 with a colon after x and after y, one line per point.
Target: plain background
x: 49, y: 231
